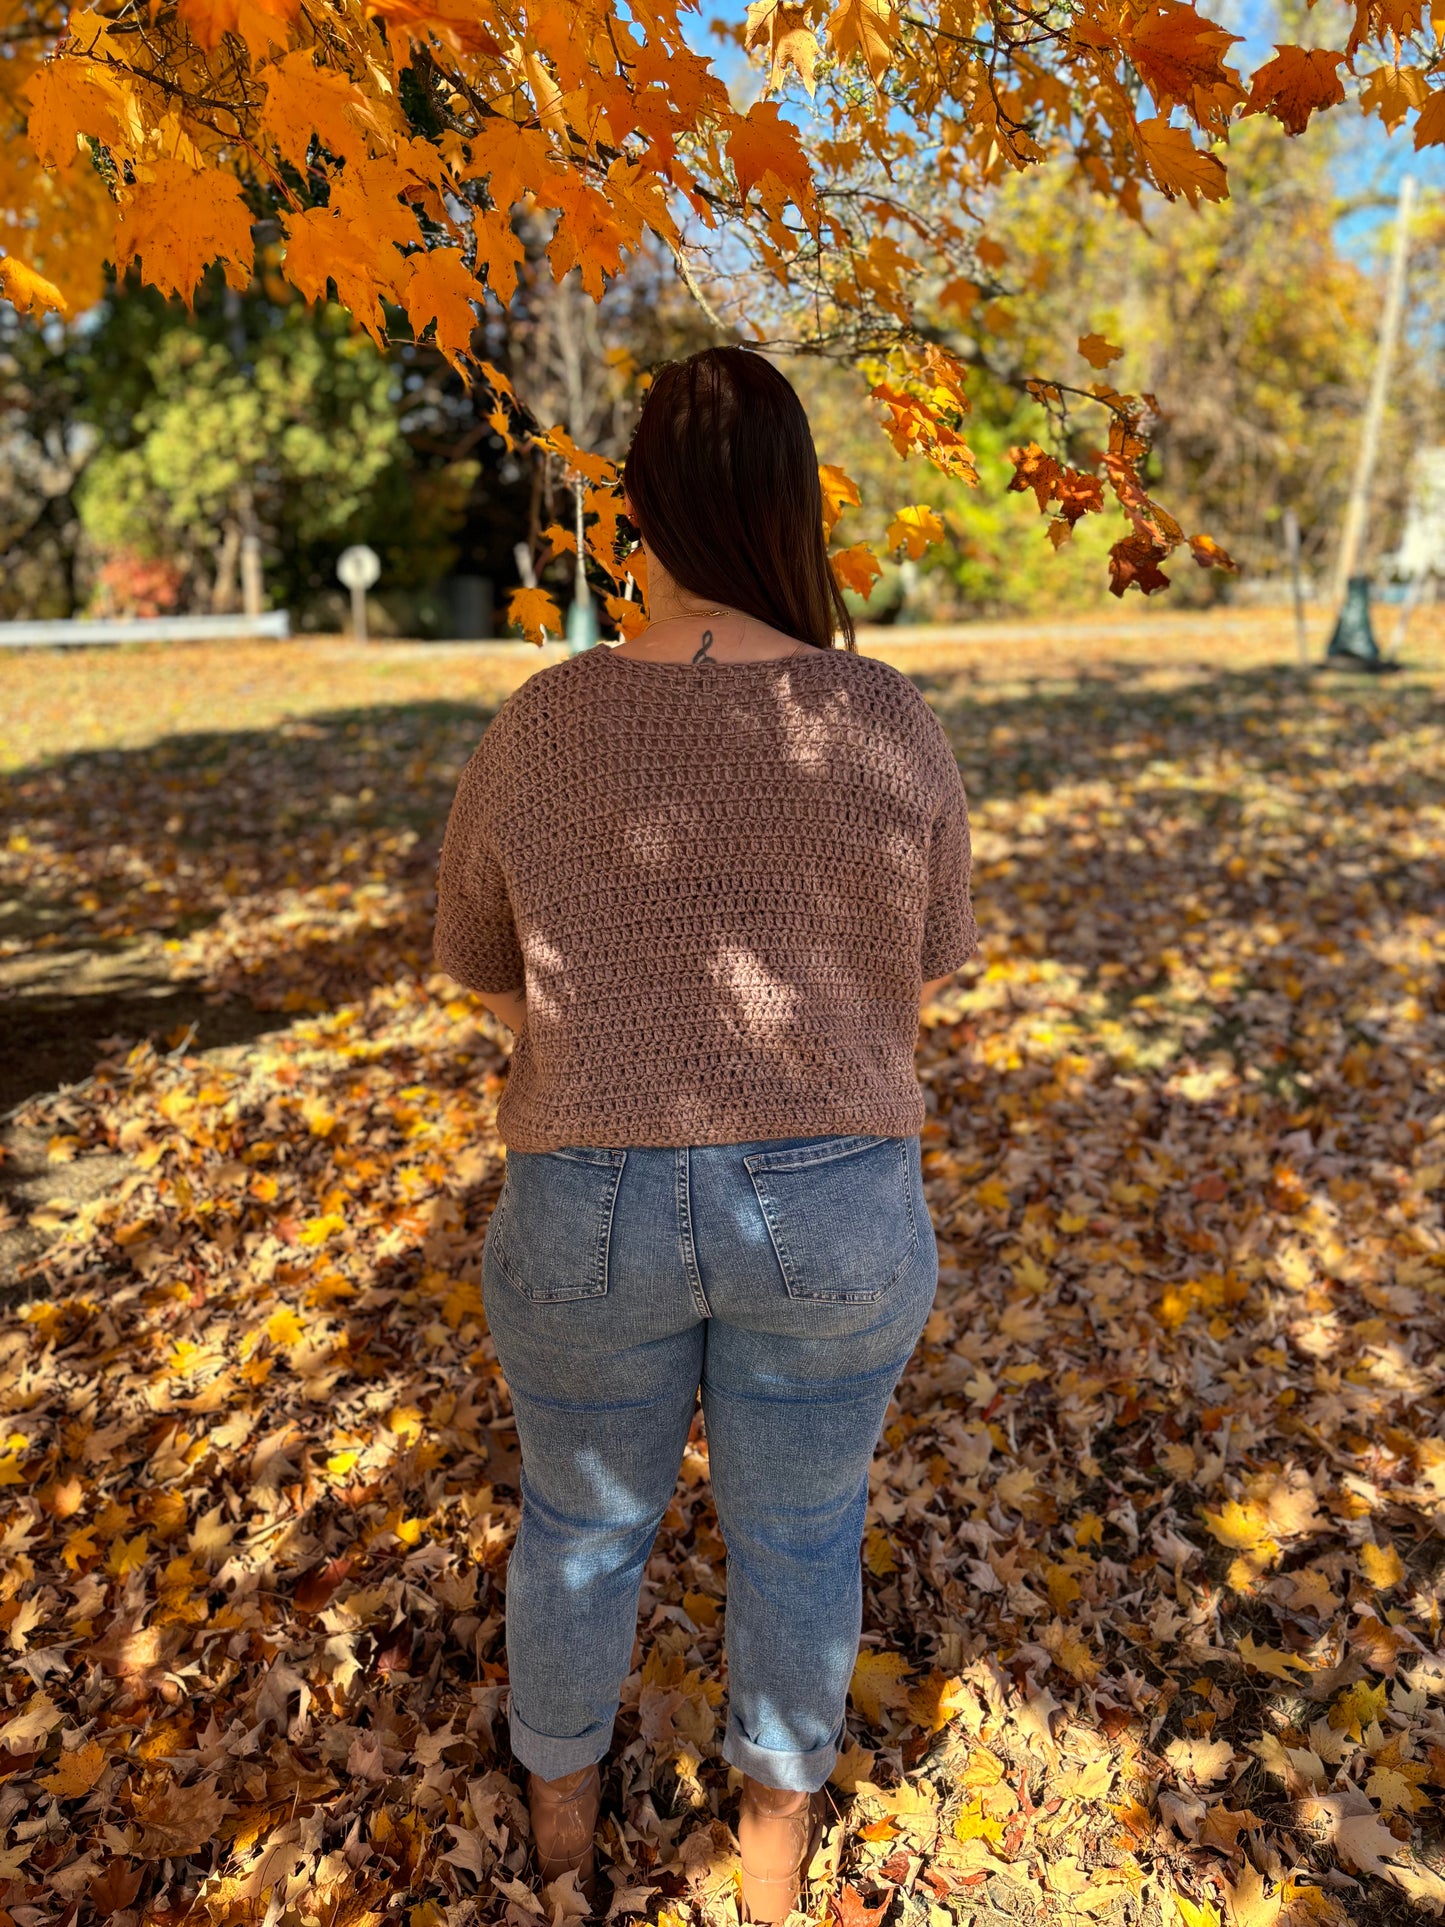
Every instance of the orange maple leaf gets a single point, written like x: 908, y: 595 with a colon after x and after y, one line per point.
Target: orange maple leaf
x: 867, y: 28
x: 177, y: 221
x: 303, y: 99
x: 440, y: 288
x: 513, y: 161
x: 535, y: 613
x: 1179, y: 57
x: 453, y: 22
x: 1097, y: 351
x: 1298, y: 82
x: 262, y: 24
x: 1430, y: 127
x: 762, y: 145
x: 1390, y: 93
x: 71, y: 100
x: 320, y: 247
x: 1176, y: 166
x: 913, y: 529
x: 840, y: 492
x: 857, y: 568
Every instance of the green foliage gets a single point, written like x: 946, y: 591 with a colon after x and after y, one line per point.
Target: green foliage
x: 274, y: 418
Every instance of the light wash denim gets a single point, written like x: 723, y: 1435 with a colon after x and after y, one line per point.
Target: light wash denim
x: 789, y: 1280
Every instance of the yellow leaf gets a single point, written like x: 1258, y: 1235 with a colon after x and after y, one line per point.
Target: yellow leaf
x: 878, y: 1553
x: 1381, y: 1565
x: 790, y: 41
x: 1193, y: 1913
x: 284, y: 1328
x: 972, y: 1823
x: 913, y: 529
x: 877, y: 1682
x: 854, y: 1764
x: 1246, y: 1903
x: 1063, y: 1587
x: 76, y: 1773
x: 26, y: 290
x: 840, y: 492
x: 1358, y: 1707
x: 936, y: 1700
x: 79, y: 1547
x: 1091, y: 1782
x: 126, y: 1555
x: 1243, y: 1526
x: 981, y: 1769
x: 1269, y: 1659
x: 1396, y: 1789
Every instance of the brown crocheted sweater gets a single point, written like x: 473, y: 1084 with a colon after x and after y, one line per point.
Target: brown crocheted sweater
x: 722, y: 886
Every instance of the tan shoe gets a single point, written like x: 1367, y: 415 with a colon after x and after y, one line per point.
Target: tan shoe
x: 564, y: 1819
x: 778, y: 1835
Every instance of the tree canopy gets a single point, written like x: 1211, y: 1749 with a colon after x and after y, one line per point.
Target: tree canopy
x: 382, y: 149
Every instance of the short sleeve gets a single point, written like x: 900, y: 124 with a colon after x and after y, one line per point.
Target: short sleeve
x: 950, y: 936
x: 476, y: 936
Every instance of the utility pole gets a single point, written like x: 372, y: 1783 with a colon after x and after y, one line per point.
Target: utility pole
x: 1292, y: 551
x: 1353, y: 535
x: 582, y: 616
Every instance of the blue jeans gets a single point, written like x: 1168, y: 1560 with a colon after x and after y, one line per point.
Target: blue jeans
x: 788, y: 1279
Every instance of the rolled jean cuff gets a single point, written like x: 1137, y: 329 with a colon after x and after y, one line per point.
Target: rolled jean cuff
x: 553, y: 1759
x: 789, y: 1772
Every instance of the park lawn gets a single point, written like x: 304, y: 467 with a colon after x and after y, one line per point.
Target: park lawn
x: 1154, y: 1563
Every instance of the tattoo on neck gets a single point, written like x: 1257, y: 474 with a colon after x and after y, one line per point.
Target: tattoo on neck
x: 701, y: 653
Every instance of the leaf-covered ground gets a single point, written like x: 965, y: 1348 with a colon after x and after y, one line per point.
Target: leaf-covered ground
x: 1155, y: 1558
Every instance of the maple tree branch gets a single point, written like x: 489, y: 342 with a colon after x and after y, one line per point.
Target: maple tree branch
x: 684, y: 268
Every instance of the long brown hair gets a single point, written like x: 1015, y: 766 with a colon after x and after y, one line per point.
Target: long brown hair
x: 722, y: 476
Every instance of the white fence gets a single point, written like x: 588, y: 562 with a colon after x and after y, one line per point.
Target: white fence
x: 275, y: 626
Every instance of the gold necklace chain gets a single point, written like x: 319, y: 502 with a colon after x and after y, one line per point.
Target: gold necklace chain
x: 689, y: 615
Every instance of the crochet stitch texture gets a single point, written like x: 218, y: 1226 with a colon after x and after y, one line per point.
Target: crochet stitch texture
x: 722, y: 885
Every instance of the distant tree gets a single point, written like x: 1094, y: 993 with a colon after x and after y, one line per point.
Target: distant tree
x: 265, y: 418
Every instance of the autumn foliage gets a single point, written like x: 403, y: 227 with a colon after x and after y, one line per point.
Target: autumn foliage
x: 382, y: 148
x: 1153, y: 1562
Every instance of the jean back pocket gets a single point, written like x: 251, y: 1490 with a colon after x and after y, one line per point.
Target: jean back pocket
x: 841, y: 1215
x: 552, y: 1225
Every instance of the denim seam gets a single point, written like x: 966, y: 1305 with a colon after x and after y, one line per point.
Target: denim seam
x: 609, y: 1212
x: 682, y: 1165
x: 804, y: 1159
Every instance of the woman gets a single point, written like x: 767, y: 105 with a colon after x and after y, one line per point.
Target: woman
x: 704, y: 876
